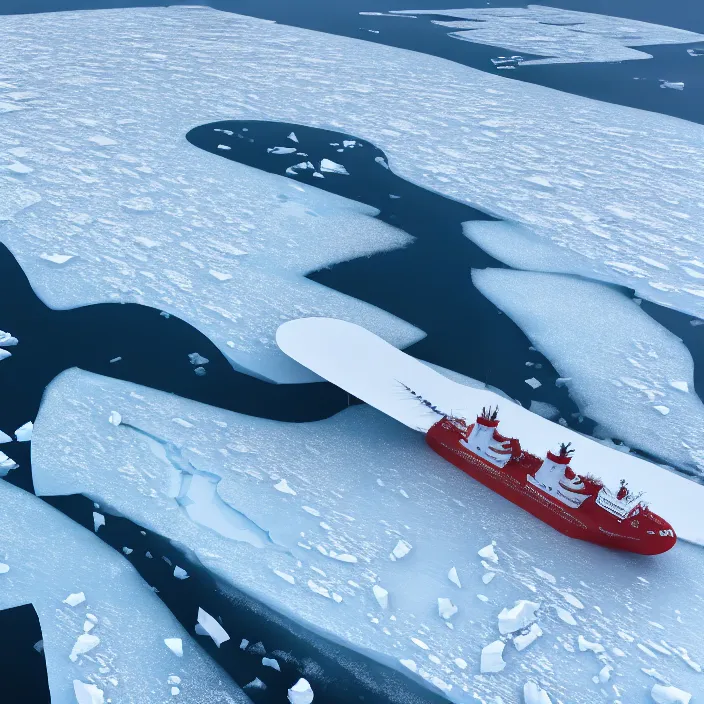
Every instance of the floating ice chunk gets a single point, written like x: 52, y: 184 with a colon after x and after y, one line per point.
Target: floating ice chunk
x: 4, y: 569
x: 212, y: 627
x: 605, y: 673
x: 98, y: 520
x: 546, y: 410
x: 102, y: 141
x: 533, y: 383
x: 518, y: 617
x: 256, y: 683
x: 180, y: 573
x: 285, y: 576
x: 420, y: 643
x: 75, y: 599
x: 664, y: 410
x: 284, y: 488
x: 524, y: 640
x: 4, y: 438
x: 196, y: 358
x: 381, y: 595
x: 533, y: 694
x: 56, y: 258
x: 491, y: 658
x: 6, y: 463
x: 675, y: 85
x: 115, y: 418
x: 317, y: 589
x: 585, y: 645
x: 271, y: 662
x: 4, y: 354
x: 488, y: 553
x: 301, y: 692
x: 327, y: 166
x: 545, y: 575
x: 224, y: 147
x: 84, y: 644
x: 572, y: 600
x: 446, y: 608
x: 453, y: 577
x: 281, y: 150
x: 662, y: 694
x: 24, y: 432
x: 220, y: 276
x: 402, y: 549
x: 87, y: 693
x: 293, y: 137
x: 566, y: 616
x: 7, y: 340
x: 488, y: 576
x: 175, y: 645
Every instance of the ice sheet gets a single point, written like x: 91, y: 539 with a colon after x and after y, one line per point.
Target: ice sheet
x: 563, y: 36
x: 362, y: 483
x: 622, y: 183
x: 51, y: 560
x: 626, y: 372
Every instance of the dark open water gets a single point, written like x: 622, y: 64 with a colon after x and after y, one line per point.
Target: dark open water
x: 154, y: 349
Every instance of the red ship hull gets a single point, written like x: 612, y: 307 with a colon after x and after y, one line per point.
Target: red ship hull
x: 645, y: 534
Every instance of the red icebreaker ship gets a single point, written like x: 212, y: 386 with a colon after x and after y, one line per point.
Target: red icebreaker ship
x: 578, y: 506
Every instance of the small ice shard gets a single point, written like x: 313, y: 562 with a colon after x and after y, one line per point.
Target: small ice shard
x: 453, y: 577
x: 420, y: 643
x: 115, y: 359
x: 102, y: 141
x: 585, y: 645
x: 565, y: 615
x: 175, y: 691
x: 605, y: 673
x: 675, y: 85
x: 271, y: 662
x: 180, y: 573
x: 98, y: 520
x: 87, y: 693
x: 6, y: 464
x: 446, y: 608
x: 410, y: 664
x: 39, y: 646
x: 491, y: 658
x: 520, y: 616
x: 488, y: 553
x: 88, y: 626
x: 402, y: 549
x: 173, y: 679
x: 4, y: 437
x: 572, y: 599
x: 224, y: 147
x: 562, y: 380
x: 461, y: 663
x: 662, y: 409
x: 24, y: 432
x: 382, y: 161
x: 488, y: 576
x: 56, y: 258
x: 524, y: 640
x: 662, y: 694
x: 533, y: 383
x: 7, y: 340
x: 243, y: 644
x: 545, y: 575
x: 381, y: 595
x: 219, y: 275
x: 349, y: 142
x: 293, y: 137
x: 115, y: 418
x: 175, y: 645
x: 680, y: 385
x: 212, y: 627
x: 75, y: 599
x: 4, y: 569
x: 327, y: 166
x: 256, y: 683
x: 286, y: 577
x: 284, y: 488
x: 4, y: 354
x: 281, y: 150
x: 84, y: 644
x: 197, y: 359
x: 300, y: 693
x: 533, y: 694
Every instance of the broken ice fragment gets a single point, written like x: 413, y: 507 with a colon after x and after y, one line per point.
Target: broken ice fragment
x: 212, y: 627
x: 75, y: 599
x: 219, y: 275
x: 286, y: 577
x: 24, y: 432
x: 446, y: 608
x: 6, y: 464
x: 533, y: 694
x: 281, y: 150
x: 284, y: 488
x: 491, y: 658
x: 681, y: 385
x: 489, y: 553
x: 4, y: 437
x: 4, y: 568
x: 585, y: 645
x: 180, y: 573
x: 7, y: 340
x: 4, y: 354
x: 524, y: 640
x: 256, y: 683
x: 56, y: 258
x: 669, y: 695
x: 327, y: 166
x: 545, y: 575
x: 402, y: 548
x: 98, y: 520
x: 605, y: 673
x: 521, y: 615
x: 293, y: 137
x: 301, y: 692
x: 662, y: 409
x: 175, y: 645
x: 453, y: 577
x: 115, y: 418
x: 533, y: 382
x: 381, y: 595
x: 270, y: 662
x: 87, y: 693
x: 197, y: 359
x: 565, y: 615
x: 675, y: 85
x: 84, y: 644
x: 488, y: 576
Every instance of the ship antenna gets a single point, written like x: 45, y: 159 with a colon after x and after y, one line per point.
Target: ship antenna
x: 564, y: 449
x: 496, y: 413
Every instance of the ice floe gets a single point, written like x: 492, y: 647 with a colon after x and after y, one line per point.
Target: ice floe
x: 302, y: 692
x: 662, y: 694
x: 492, y: 657
x: 212, y: 627
x: 24, y: 432
x: 563, y: 36
x: 620, y: 362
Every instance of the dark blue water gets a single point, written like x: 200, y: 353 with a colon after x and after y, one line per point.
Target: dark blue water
x: 426, y: 283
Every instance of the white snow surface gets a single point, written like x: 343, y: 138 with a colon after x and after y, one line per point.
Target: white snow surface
x: 621, y: 363
x: 563, y: 36
x: 127, y: 659
x: 374, y: 371
x: 352, y: 469
x: 625, y: 183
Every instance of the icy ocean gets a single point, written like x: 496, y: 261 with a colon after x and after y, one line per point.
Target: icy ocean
x: 513, y: 194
